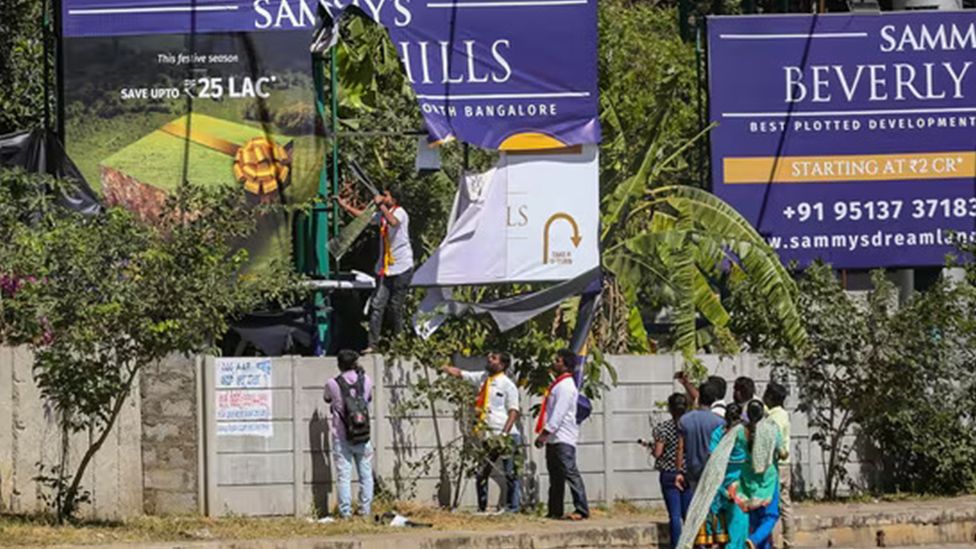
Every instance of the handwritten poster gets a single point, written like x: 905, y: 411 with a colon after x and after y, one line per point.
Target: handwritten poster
x: 243, y: 373
x: 240, y: 405
x: 243, y: 399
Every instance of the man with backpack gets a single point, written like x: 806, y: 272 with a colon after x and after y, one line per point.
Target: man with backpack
x: 349, y: 395
x: 497, y: 407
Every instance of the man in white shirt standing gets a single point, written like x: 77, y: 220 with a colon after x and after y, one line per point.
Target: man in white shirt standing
x: 559, y: 432
x: 394, y: 266
x: 497, y: 406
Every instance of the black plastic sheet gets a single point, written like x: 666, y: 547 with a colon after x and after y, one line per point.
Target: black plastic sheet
x: 277, y: 333
x: 39, y: 151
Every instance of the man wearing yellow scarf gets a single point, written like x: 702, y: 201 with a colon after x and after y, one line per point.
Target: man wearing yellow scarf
x: 394, y: 263
x: 497, y: 406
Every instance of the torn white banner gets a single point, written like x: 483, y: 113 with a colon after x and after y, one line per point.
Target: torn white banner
x: 532, y: 218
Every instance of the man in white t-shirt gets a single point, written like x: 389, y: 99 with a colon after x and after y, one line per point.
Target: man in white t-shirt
x: 497, y: 406
x: 394, y: 266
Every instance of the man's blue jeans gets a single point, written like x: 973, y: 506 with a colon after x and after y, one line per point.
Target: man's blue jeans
x: 344, y: 455
x: 512, y: 477
x: 676, y: 501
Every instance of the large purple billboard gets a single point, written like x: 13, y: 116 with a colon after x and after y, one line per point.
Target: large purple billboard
x: 512, y: 74
x: 848, y: 138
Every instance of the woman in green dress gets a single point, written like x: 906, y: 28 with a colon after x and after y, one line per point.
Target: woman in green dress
x: 758, y: 485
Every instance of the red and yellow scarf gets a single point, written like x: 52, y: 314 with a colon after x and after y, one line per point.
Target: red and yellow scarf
x: 385, y: 237
x: 481, y: 404
x: 540, y: 423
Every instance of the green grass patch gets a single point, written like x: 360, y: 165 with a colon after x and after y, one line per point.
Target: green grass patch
x: 157, y: 158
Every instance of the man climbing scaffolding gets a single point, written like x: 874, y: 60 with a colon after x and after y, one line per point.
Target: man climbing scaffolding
x: 394, y: 266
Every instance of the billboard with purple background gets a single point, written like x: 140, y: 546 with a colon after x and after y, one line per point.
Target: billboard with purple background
x: 848, y: 138
x: 513, y: 74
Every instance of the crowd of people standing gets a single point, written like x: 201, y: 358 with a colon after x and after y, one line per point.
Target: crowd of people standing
x: 497, y: 403
x: 497, y: 408
x: 724, y: 467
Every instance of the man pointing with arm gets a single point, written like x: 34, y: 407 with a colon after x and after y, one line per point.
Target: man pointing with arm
x: 497, y: 407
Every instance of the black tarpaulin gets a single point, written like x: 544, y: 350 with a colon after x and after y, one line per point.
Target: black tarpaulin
x: 509, y: 312
x: 275, y: 333
x: 39, y: 151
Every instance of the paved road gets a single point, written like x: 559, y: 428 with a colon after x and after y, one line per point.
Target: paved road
x: 954, y: 546
x: 936, y: 546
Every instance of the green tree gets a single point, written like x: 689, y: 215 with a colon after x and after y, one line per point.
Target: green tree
x: 645, y: 69
x: 679, y: 246
x: 831, y: 380
x: 920, y: 399
x: 668, y: 245
x: 109, y: 295
x: 533, y: 346
x: 893, y: 382
x: 22, y: 66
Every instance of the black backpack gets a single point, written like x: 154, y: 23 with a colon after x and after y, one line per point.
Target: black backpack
x: 355, y: 417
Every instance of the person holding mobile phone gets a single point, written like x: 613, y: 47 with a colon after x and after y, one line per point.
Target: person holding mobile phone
x: 665, y: 451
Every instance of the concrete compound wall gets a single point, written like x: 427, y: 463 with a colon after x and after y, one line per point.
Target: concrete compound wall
x: 172, y: 449
x: 29, y: 435
x: 646, y: 381
x: 262, y: 476
x: 165, y: 456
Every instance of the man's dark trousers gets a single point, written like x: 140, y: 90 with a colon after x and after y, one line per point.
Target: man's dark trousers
x: 561, y: 463
x: 393, y: 290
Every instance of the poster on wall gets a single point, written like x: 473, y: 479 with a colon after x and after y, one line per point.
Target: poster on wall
x: 243, y: 397
x: 848, y: 138
x: 152, y: 97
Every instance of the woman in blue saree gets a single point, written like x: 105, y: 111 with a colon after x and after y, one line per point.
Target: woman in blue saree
x: 713, y: 518
x: 739, y: 478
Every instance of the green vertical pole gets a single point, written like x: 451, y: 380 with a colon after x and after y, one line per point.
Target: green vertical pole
x: 334, y: 92
x: 684, y: 16
x: 320, y: 220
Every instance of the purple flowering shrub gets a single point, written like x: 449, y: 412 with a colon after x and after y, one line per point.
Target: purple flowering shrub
x: 20, y: 320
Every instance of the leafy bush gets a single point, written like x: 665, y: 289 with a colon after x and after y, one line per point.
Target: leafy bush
x: 897, y: 383
x: 21, y: 66
x: 100, y: 297
x: 295, y: 119
x: 920, y: 400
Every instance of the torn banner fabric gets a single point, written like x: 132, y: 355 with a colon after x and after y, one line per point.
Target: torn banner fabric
x: 507, y: 313
x: 532, y: 218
